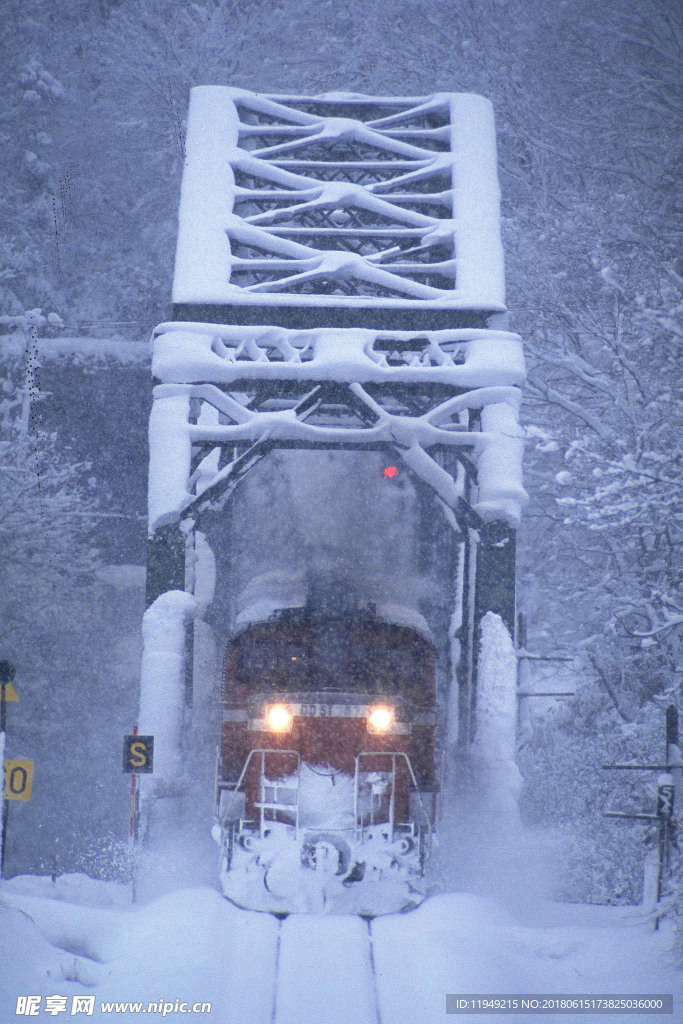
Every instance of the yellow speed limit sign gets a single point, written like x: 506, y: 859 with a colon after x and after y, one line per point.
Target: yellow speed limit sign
x: 18, y: 780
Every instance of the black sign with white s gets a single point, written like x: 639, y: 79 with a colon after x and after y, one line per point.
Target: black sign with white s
x: 138, y: 754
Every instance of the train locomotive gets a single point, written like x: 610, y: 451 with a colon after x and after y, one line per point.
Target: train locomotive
x: 326, y: 795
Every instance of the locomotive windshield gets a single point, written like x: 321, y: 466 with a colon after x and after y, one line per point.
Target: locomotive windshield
x: 259, y: 657
x: 330, y: 656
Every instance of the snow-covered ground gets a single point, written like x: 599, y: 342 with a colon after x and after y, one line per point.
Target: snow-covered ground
x: 76, y: 936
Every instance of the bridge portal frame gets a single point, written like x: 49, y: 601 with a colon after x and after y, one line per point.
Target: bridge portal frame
x: 229, y: 395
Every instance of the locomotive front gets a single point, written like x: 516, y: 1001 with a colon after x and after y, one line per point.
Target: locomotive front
x: 326, y: 792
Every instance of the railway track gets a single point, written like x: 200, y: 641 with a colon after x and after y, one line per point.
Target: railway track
x: 325, y: 971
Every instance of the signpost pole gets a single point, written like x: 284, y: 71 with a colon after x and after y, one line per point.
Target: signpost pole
x: 133, y: 832
x: 7, y: 673
x: 5, y: 803
x: 138, y: 756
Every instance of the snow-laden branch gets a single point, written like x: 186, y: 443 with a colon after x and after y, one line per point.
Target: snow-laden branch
x: 671, y: 622
x: 556, y: 397
x: 662, y: 612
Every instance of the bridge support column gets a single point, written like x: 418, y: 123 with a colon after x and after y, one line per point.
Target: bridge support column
x: 494, y: 589
x: 165, y: 562
x: 166, y: 662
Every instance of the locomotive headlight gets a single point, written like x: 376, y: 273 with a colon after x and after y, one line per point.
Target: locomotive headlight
x: 279, y: 718
x: 380, y: 719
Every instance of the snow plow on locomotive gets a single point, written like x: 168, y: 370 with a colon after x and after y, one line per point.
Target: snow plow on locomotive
x: 326, y: 794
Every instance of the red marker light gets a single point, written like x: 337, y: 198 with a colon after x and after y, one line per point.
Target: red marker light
x: 390, y: 472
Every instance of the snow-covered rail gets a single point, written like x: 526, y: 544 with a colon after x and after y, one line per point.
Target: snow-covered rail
x: 326, y: 972
x: 79, y: 936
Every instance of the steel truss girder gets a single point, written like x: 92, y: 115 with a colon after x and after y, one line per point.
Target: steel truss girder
x: 250, y: 390
x: 339, y: 202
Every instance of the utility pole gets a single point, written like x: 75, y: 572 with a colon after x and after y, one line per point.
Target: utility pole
x: 657, y: 864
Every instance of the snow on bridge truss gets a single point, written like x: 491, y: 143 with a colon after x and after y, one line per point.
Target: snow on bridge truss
x: 293, y: 205
x: 230, y: 394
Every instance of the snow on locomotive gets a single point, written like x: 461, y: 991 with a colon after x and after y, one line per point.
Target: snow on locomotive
x: 326, y: 794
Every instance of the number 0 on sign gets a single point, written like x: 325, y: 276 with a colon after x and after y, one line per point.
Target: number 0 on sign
x: 18, y: 783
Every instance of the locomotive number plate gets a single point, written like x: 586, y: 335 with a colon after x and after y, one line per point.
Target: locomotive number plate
x: 332, y: 710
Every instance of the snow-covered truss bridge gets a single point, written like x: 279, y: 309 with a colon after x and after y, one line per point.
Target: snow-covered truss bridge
x: 339, y: 285
x: 339, y: 209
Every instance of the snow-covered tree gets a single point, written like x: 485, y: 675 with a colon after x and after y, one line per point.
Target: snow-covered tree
x: 46, y: 520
